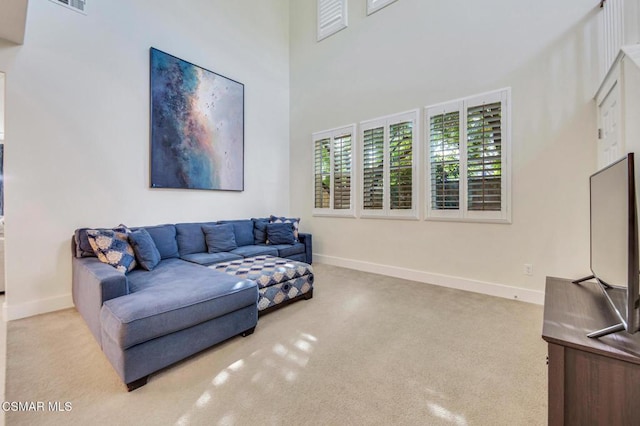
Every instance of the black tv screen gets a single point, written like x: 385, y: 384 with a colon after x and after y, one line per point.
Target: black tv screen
x: 614, y: 239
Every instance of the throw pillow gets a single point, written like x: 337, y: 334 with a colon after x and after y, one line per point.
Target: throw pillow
x: 280, y: 233
x: 112, y: 247
x: 145, y: 249
x: 220, y: 238
x: 293, y: 220
x: 260, y: 231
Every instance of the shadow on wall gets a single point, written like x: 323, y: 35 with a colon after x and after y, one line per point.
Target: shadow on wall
x: 560, y: 126
x: 554, y: 71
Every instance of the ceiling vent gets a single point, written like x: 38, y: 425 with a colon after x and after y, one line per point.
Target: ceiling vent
x: 77, y: 5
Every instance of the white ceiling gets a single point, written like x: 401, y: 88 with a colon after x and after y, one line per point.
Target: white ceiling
x: 13, y: 19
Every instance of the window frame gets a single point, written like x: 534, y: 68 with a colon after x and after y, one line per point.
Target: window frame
x: 386, y: 122
x: 332, y: 134
x: 375, y: 5
x: 463, y: 214
x: 340, y: 18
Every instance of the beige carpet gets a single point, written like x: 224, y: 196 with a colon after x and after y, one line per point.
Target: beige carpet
x: 366, y: 349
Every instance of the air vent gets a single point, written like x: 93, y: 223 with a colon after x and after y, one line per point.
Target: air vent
x: 77, y: 5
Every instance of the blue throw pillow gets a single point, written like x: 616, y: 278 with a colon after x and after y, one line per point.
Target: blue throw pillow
x: 112, y: 247
x: 220, y: 238
x: 280, y: 233
x: 260, y: 231
x: 295, y: 221
x: 145, y: 249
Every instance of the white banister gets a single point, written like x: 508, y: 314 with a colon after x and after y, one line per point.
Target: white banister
x: 612, y: 32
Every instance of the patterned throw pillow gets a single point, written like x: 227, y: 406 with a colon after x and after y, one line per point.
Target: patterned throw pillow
x: 293, y: 220
x: 112, y: 247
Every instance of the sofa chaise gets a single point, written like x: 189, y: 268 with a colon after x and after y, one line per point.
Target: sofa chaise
x: 145, y: 320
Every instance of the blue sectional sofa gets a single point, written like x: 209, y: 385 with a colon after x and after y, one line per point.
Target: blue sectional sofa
x: 145, y: 320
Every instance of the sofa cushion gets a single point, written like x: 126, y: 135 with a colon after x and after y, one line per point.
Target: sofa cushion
x: 165, y: 238
x: 302, y: 257
x: 145, y: 249
x: 288, y: 250
x: 255, y: 250
x: 112, y: 247
x: 260, y: 230
x: 293, y: 220
x: 280, y: 233
x: 181, y: 295
x: 243, y: 230
x: 210, y: 258
x: 220, y: 238
x: 190, y: 237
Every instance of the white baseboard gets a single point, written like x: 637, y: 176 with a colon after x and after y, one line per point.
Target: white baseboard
x: 36, y: 307
x: 492, y: 289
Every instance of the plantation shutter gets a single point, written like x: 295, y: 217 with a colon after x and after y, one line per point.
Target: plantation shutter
x: 342, y: 173
x: 484, y: 157
x: 332, y: 17
x: 373, y: 169
x: 401, y: 166
x: 469, y: 173
x: 322, y: 173
x: 333, y: 171
x: 375, y: 5
x: 444, y: 148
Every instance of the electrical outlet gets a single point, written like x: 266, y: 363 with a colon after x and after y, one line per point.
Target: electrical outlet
x: 528, y: 269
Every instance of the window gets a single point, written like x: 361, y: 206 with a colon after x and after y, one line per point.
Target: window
x: 375, y: 5
x: 333, y: 172
x: 468, y: 170
x: 389, y: 181
x: 332, y: 17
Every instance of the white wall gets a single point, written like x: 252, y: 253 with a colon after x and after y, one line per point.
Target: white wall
x: 415, y: 53
x: 77, y: 126
x: 2, y: 78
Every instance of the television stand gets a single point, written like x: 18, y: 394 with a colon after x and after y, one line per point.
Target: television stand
x: 591, y: 381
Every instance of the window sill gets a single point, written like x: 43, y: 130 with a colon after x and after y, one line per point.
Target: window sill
x: 387, y: 217
x: 349, y: 215
x: 468, y: 220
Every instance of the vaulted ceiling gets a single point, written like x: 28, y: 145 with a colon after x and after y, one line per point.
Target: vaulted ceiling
x: 13, y: 19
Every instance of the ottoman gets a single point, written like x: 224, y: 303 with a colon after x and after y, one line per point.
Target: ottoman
x: 280, y: 281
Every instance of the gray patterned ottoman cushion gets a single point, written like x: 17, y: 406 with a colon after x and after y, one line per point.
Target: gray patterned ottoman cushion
x: 278, y: 279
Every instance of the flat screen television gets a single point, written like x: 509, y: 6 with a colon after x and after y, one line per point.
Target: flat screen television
x: 614, y: 242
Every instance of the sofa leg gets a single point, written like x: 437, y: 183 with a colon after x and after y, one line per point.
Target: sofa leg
x: 137, y: 383
x: 308, y: 295
x: 248, y: 332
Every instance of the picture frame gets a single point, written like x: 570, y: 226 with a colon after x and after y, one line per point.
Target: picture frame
x: 197, y: 126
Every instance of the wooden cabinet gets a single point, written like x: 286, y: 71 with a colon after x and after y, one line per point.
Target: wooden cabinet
x: 591, y: 381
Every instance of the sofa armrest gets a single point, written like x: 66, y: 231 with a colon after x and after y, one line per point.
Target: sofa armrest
x: 307, y: 240
x: 93, y: 283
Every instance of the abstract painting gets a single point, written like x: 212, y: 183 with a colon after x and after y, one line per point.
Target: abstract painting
x: 197, y: 126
